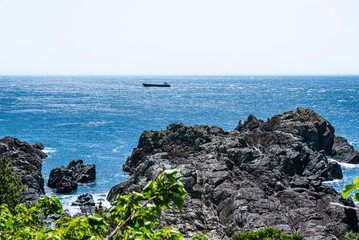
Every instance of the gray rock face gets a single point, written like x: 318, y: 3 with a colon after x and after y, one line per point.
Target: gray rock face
x: 66, y: 179
x: 27, y: 161
x: 62, y: 180
x: 82, y: 173
x: 261, y: 174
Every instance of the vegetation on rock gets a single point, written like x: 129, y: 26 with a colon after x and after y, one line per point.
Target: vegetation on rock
x: 352, y: 236
x: 267, y: 234
x: 10, y: 185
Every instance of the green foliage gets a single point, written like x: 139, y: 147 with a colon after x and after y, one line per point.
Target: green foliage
x: 349, y: 188
x: 352, y: 236
x: 167, y: 233
x: 266, y: 234
x: 10, y: 185
x: 137, y: 213
x: 166, y: 187
x: 199, y: 236
x: 346, y: 191
x: 91, y: 227
x: 50, y: 205
x: 21, y: 223
x: 133, y: 216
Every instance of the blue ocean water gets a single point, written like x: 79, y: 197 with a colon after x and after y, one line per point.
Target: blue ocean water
x: 99, y: 118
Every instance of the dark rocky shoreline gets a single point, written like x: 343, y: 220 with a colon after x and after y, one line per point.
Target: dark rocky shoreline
x: 26, y: 161
x: 263, y: 173
x: 260, y: 174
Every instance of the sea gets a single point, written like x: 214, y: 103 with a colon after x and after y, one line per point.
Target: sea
x: 99, y: 119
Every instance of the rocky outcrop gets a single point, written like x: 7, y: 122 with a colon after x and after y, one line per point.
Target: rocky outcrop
x: 344, y: 152
x: 66, y: 179
x: 27, y: 161
x: 261, y: 174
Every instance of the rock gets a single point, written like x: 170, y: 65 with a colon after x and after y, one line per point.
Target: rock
x: 335, y: 170
x: 120, y: 188
x: 66, y: 179
x: 260, y: 174
x: 38, y: 146
x: 351, y: 214
x: 344, y: 152
x: 249, y: 125
x: 62, y: 180
x: 27, y: 161
x: 82, y: 173
x: 84, y: 200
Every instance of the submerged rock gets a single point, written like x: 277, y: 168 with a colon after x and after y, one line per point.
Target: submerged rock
x: 84, y: 200
x: 65, y: 179
x: 261, y: 174
x: 86, y: 204
x: 26, y: 160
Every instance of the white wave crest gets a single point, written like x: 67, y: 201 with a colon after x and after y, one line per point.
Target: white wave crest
x: 49, y: 150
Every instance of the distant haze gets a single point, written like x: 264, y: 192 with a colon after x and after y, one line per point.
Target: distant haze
x: 167, y: 37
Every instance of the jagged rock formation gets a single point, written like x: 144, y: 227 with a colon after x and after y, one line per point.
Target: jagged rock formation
x: 26, y: 160
x: 65, y: 179
x: 261, y: 174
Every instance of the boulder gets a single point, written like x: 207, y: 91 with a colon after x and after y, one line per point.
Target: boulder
x: 260, y: 174
x: 66, y: 179
x: 62, y: 180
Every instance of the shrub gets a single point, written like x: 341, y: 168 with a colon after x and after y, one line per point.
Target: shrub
x: 352, y: 236
x: 10, y: 185
x: 199, y: 236
x: 266, y: 234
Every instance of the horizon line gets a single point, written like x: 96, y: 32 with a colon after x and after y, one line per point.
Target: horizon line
x: 175, y: 75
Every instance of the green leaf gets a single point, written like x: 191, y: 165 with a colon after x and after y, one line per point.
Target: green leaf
x: 171, y: 172
x: 199, y: 236
x: 356, y: 197
x: 94, y: 220
x: 347, y: 190
x: 147, y: 190
x: 178, y: 199
x: 356, y: 182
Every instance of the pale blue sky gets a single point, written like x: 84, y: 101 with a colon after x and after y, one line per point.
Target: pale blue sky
x: 179, y: 37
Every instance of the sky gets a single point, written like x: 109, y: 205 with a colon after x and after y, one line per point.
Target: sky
x: 172, y: 37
